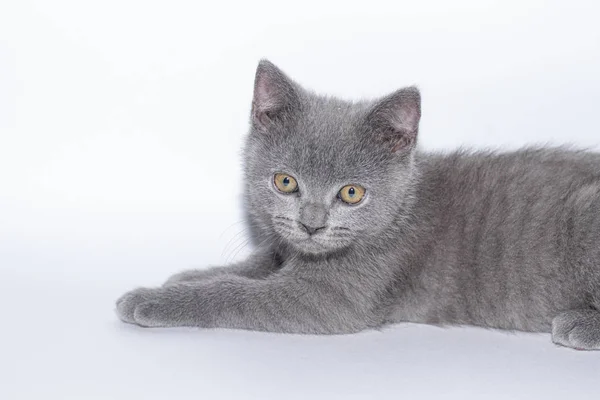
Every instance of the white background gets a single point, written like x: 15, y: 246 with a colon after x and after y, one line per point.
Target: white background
x: 121, y: 123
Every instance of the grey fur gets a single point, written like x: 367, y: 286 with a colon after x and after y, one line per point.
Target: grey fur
x: 498, y: 240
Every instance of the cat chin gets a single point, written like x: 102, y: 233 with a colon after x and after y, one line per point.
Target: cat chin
x: 313, y: 248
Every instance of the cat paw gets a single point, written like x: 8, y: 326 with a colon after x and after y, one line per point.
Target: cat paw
x: 157, y: 307
x: 126, y: 304
x: 578, y: 329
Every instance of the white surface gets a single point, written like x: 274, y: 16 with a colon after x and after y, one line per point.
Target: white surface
x: 120, y: 129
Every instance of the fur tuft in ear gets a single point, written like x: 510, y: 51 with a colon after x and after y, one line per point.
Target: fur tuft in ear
x: 274, y: 93
x: 395, y: 118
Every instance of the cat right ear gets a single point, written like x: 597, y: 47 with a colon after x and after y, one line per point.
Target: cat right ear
x: 274, y: 94
x: 395, y: 119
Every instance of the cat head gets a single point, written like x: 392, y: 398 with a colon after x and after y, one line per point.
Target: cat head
x: 323, y: 174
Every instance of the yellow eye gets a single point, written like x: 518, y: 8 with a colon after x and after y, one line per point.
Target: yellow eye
x: 285, y: 183
x: 352, y: 194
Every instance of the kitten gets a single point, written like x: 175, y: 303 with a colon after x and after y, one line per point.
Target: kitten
x: 355, y: 229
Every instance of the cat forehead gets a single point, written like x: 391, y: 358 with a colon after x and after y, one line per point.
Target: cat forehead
x: 325, y: 116
x: 326, y: 143
x: 328, y: 157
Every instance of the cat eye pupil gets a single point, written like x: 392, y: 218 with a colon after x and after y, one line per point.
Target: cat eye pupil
x: 286, y: 181
x: 351, y: 192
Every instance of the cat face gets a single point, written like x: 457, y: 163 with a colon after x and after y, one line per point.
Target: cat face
x: 323, y: 174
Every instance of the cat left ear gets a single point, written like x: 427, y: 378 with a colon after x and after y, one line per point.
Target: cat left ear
x: 274, y: 94
x: 396, y: 117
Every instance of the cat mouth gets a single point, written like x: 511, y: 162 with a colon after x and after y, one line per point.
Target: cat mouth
x: 315, y: 244
x: 322, y: 240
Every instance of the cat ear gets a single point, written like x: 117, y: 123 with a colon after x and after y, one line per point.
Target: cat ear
x: 274, y: 94
x: 395, y: 118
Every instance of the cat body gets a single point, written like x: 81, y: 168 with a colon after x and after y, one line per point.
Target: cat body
x: 355, y: 228
x: 504, y: 240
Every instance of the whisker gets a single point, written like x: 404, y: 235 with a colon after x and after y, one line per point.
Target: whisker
x: 231, y: 226
x: 236, y: 250
x: 264, y: 238
x: 234, y: 239
x: 264, y: 241
x: 285, y: 223
x: 240, y: 249
x: 280, y: 217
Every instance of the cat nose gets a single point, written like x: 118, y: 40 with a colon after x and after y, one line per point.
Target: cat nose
x: 311, y: 230
x: 313, y: 217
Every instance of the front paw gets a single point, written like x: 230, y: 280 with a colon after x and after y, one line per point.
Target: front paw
x: 127, y: 304
x: 157, y: 307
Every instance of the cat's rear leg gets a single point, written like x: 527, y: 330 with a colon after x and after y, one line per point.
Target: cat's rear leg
x: 579, y: 329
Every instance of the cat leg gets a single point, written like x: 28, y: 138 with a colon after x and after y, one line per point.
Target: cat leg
x: 259, y: 265
x: 277, y: 304
x: 579, y: 329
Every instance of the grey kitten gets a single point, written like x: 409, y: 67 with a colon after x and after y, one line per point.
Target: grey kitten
x: 356, y: 229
